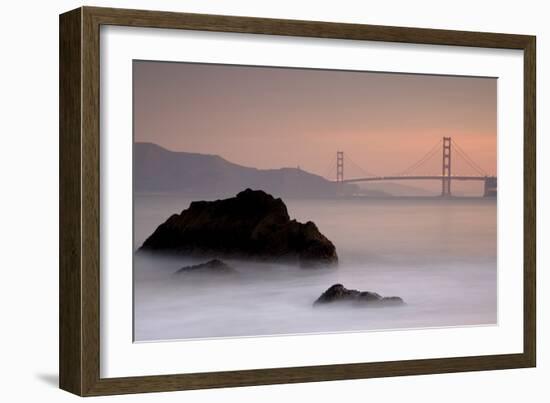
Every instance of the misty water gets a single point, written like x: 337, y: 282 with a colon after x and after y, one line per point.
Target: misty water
x: 438, y: 255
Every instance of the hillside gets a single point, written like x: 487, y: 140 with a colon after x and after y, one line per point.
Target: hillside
x: 157, y: 169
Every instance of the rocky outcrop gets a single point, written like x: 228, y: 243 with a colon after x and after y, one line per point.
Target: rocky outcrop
x: 253, y: 225
x: 214, y: 267
x: 338, y: 294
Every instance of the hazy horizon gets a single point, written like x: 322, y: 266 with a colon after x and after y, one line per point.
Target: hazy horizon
x: 272, y: 117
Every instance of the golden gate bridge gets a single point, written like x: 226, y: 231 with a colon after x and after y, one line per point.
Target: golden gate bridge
x: 448, y: 149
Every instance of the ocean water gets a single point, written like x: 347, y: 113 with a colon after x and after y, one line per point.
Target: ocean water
x: 438, y: 255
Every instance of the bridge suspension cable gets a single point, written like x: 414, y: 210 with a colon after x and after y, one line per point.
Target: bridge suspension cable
x: 330, y: 170
x: 357, y: 166
x: 425, y: 158
x: 468, y: 159
x: 409, y: 171
x: 445, y: 176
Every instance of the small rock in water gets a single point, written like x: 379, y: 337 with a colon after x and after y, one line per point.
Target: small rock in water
x: 339, y: 293
x: 214, y: 266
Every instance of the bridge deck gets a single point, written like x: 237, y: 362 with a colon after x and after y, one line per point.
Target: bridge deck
x: 425, y: 177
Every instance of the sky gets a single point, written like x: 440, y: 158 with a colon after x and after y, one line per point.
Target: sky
x: 268, y: 117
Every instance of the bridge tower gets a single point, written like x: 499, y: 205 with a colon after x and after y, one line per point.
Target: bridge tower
x: 339, y: 166
x: 446, y: 168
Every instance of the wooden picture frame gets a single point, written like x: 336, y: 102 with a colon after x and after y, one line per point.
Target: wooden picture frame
x: 79, y: 348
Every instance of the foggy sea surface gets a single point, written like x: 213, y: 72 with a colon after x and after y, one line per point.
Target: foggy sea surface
x: 440, y: 256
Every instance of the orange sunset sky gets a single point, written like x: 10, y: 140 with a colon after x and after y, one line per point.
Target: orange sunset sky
x: 267, y: 117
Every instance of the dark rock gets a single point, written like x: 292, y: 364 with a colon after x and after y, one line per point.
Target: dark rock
x: 253, y: 224
x: 214, y: 266
x: 339, y: 293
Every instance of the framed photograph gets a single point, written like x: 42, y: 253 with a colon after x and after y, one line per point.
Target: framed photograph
x: 248, y: 201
